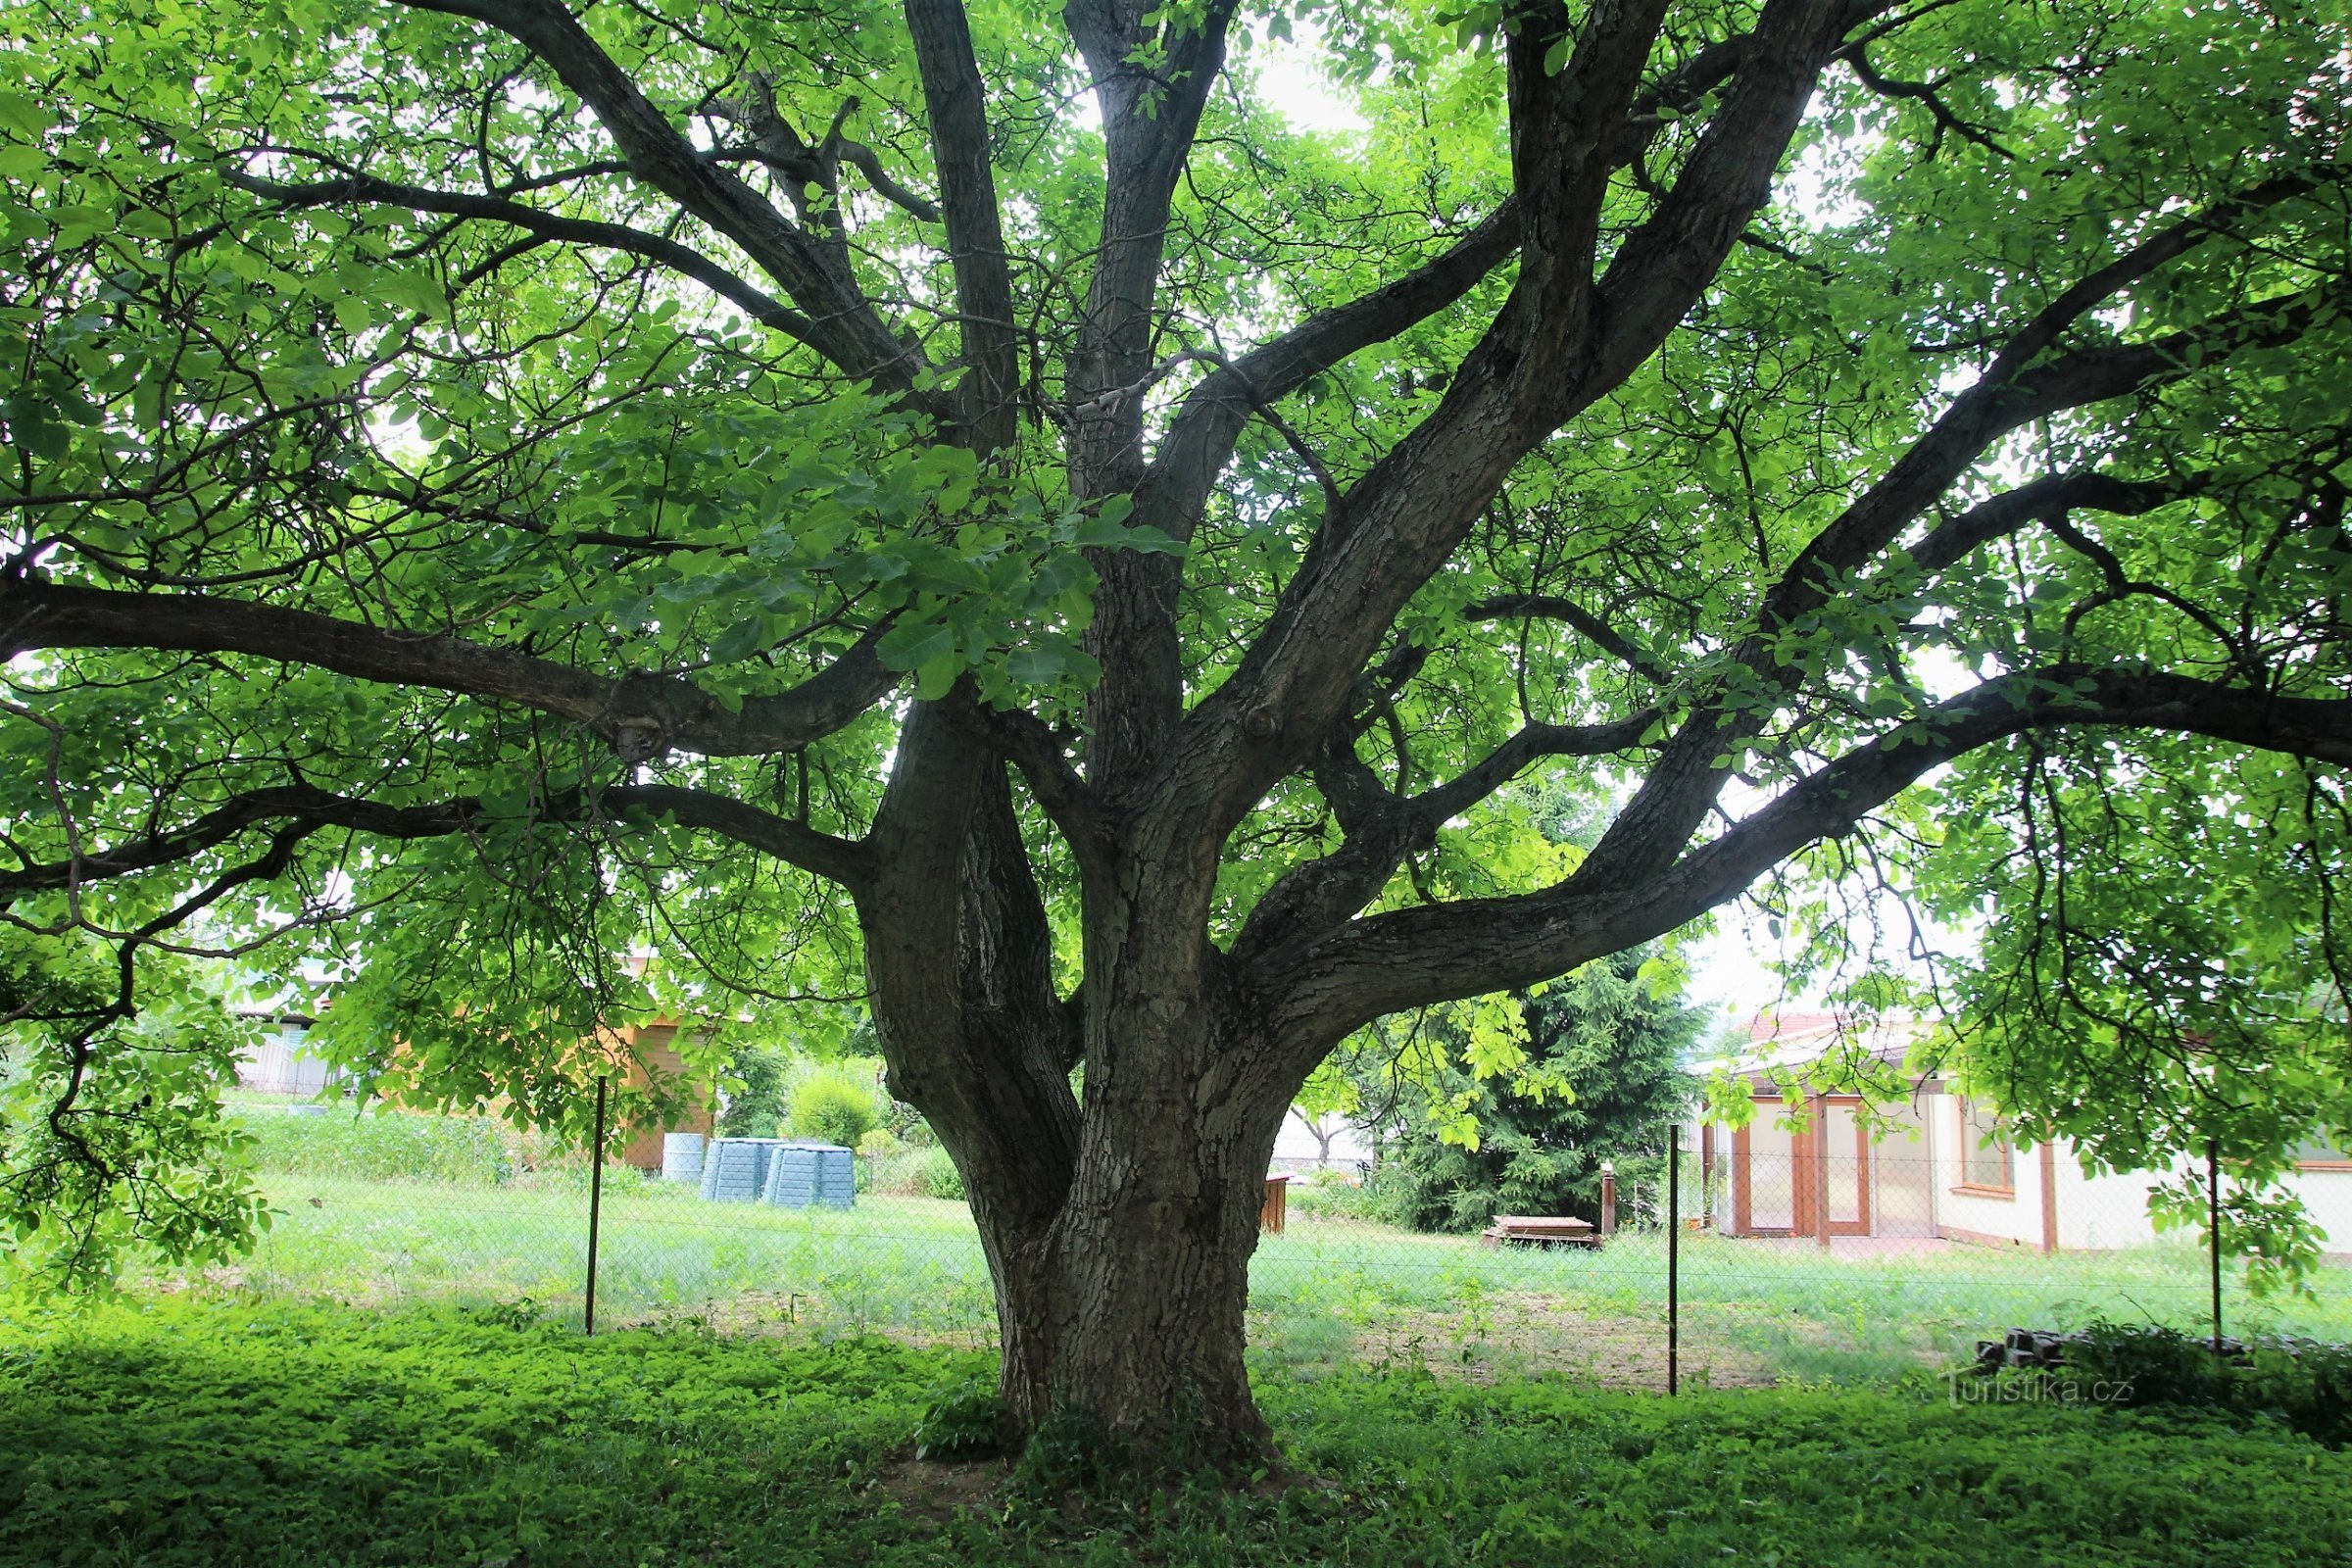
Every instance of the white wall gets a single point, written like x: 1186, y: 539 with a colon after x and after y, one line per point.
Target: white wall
x: 2102, y: 1211
x: 2328, y: 1194
x: 2014, y: 1219
x: 279, y: 1064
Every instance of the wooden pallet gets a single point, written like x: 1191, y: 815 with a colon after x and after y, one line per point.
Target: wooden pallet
x: 1539, y: 1230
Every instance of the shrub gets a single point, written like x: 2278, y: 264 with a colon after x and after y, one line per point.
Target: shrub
x: 2305, y: 1383
x: 964, y: 1421
x: 901, y: 1172
x: 835, y: 1107
x: 1332, y: 1195
x: 757, y: 1076
x: 941, y: 1178
x: 382, y: 1146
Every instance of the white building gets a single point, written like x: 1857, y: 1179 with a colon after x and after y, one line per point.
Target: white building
x: 1935, y: 1165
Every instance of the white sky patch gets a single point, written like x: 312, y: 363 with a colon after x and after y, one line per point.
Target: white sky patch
x: 1292, y: 81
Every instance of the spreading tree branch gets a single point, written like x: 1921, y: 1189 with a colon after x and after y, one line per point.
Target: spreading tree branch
x: 302, y: 809
x: 642, y: 716
x: 844, y: 323
x: 1407, y: 957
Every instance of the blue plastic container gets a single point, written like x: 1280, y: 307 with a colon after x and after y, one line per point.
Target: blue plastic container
x: 735, y: 1169
x: 802, y: 1175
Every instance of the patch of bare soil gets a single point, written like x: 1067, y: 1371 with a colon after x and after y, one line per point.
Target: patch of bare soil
x: 933, y: 1492
x: 1536, y: 1335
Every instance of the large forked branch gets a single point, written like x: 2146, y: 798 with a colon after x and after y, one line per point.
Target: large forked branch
x: 846, y: 327
x: 1135, y: 709
x: 2019, y: 388
x: 1410, y: 957
x: 1546, y: 356
x: 959, y: 149
x: 1149, y: 115
x: 1137, y: 704
x: 1200, y: 440
x: 642, y: 716
x: 310, y: 809
x: 1382, y: 829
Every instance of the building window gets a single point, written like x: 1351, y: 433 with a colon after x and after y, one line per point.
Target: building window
x: 1987, y: 1159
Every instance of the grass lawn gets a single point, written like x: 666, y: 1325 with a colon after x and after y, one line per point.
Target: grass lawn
x: 1326, y: 1292
x: 184, y: 1430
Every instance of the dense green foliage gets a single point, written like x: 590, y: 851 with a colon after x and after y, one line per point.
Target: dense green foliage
x: 175, y: 1433
x: 757, y: 1086
x: 2151, y: 982
x: 1103, y: 574
x: 939, y: 1176
x: 113, y: 1138
x: 837, y: 1106
x: 1602, y: 1079
x: 381, y: 1146
x: 2303, y: 1382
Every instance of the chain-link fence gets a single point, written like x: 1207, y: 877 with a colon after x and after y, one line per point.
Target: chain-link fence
x: 1755, y: 1257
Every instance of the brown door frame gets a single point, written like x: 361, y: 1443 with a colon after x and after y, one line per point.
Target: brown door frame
x: 1811, y: 1183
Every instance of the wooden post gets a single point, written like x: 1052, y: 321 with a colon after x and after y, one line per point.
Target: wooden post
x: 1608, y: 1198
x: 1674, y: 1258
x: 596, y: 1200
x: 1821, y: 1168
x: 2213, y: 1231
x: 1275, y: 1211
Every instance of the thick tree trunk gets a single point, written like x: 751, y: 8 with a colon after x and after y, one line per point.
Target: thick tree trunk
x: 1121, y: 1295
x: 1118, y: 1230
x: 1133, y: 1323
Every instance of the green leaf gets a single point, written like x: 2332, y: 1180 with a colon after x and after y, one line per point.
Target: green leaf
x: 912, y: 643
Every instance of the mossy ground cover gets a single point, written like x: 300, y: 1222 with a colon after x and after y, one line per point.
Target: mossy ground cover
x: 191, y: 1430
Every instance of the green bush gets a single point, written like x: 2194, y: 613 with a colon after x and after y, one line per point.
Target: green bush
x: 1331, y: 1194
x: 941, y: 1178
x: 901, y: 1172
x: 2305, y: 1383
x: 757, y: 1078
x: 834, y: 1107
x: 964, y: 1421
x: 382, y: 1146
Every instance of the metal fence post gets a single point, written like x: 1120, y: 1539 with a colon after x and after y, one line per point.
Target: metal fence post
x: 1674, y: 1258
x: 2213, y: 1230
x: 596, y: 1199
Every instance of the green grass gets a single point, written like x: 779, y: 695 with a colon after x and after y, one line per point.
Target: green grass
x: 185, y: 1430
x: 1325, y: 1292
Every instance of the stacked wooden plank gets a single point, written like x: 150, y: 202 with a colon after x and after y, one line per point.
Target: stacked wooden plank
x: 1539, y: 1230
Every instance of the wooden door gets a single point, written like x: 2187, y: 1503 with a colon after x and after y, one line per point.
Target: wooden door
x: 1833, y: 1165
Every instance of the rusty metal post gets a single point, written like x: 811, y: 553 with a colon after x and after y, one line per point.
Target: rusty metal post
x: 2213, y: 1231
x: 1674, y: 1258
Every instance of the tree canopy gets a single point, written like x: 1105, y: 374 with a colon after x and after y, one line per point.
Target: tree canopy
x: 969, y: 509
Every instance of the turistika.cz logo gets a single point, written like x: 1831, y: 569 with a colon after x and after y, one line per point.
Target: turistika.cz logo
x: 1974, y: 1388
